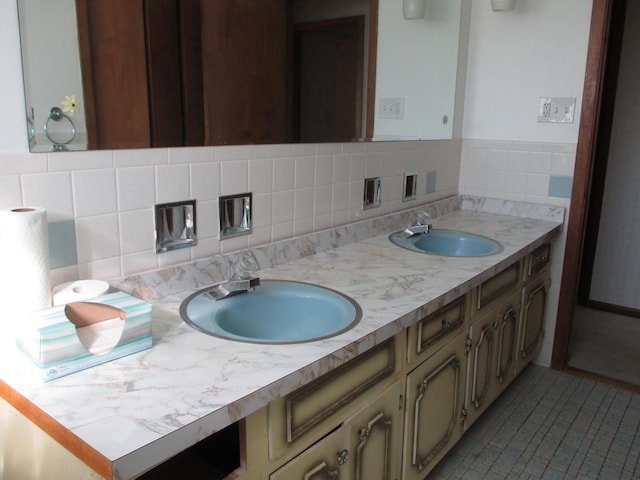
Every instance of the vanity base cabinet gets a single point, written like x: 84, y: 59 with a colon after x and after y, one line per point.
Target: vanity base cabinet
x: 365, y: 447
x: 433, y: 404
x: 492, y: 355
x: 301, y: 418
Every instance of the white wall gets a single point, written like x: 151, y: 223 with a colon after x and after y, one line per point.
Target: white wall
x: 516, y: 57
x: 416, y: 61
x: 13, y: 134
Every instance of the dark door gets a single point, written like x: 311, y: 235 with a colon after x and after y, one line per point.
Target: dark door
x: 328, y: 64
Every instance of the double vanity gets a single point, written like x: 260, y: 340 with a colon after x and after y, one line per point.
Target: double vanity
x: 421, y: 345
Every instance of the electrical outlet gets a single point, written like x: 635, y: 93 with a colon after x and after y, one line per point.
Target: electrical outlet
x: 556, y: 109
x: 391, y: 107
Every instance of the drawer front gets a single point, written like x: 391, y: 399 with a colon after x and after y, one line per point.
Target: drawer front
x: 539, y: 259
x: 493, y: 288
x: 305, y: 415
x: 327, y: 460
x: 435, y: 330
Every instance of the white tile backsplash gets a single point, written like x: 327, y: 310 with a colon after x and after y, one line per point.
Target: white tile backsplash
x: 283, y: 174
x: 282, y: 206
x: 139, y: 157
x: 305, y: 171
x: 297, y: 189
x: 134, y: 227
x: 98, y: 238
x: 303, y: 199
x: 94, y: 192
x: 51, y: 191
x: 205, y: 181
x: 324, y: 170
x: 136, y: 187
x: 11, y: 191
x: 172, y: 183
x: 234, y: 177
x: 261, y: 176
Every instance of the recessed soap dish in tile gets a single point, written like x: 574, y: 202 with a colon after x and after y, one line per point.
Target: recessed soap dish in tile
x: 410, y: 186
x: 235, y: 215
x: 175, y: 225
x: 372, y: 190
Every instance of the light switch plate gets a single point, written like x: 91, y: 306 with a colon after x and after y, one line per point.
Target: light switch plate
x: 556, y: 109
x: 391, y: 107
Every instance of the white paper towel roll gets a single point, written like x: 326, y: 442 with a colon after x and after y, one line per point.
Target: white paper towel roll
x: 24, y: 255
x: 78, y: 290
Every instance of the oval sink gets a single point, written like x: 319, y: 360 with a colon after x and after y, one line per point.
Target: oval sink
x: 277, y: 311
x: 450, y: 243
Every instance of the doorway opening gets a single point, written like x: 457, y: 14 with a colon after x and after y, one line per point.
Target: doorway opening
x: 591, y: 335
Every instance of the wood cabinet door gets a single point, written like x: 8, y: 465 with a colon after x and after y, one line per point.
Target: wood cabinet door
x: 434, y: 393
x: 534, y: 302
x: 492, y: 355
x: 481, y: 364
x: 507, y: 341
x: 376, y: 438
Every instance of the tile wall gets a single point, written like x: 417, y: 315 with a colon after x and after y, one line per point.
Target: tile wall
x: 539, y: 173
x: 104, y: 200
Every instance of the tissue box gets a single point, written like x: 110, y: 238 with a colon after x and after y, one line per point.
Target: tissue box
x: 52, y: 342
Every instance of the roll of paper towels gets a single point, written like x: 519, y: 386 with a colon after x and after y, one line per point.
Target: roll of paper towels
x: 78, y: 290
x: 24, y: 256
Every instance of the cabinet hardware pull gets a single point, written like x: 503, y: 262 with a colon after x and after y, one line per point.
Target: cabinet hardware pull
x: 342, y: 457
x: 478, y: 398
x: 365, y: 433
x: 319, y: 468
x: 509, y: 316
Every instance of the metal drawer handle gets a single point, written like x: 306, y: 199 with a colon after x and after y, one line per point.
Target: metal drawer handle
x: 319, y: 468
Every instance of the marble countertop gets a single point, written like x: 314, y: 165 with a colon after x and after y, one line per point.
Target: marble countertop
x: 139, y: 410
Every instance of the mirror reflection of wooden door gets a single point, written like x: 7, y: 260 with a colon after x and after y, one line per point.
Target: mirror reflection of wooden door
x: 112, y: 52
x: 216, y: 71
x: 328, y: 65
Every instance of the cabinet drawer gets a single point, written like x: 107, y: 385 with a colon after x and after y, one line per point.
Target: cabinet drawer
x: 538, y: 259
x: 432, y: 332
x: 326, y: 459
x: 499, y: 284
x: 310, y: 412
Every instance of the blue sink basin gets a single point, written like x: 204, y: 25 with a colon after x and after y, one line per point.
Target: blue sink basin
x: 449, y: 243
x: 277, y: 311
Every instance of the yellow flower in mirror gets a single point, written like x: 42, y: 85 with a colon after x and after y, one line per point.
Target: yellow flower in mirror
x: 69, y: 104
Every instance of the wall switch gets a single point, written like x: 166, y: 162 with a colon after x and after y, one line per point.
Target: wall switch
x: 556, y: 109
x: 391, y: 107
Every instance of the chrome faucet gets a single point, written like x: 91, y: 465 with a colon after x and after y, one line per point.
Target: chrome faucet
x: 236, y: 283
x: 419, y: 226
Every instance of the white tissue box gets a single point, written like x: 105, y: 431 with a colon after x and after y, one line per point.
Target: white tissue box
x: 54, y: 344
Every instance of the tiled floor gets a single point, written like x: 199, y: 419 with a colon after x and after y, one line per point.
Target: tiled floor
x: 551, y: 425
x: 605, y: 344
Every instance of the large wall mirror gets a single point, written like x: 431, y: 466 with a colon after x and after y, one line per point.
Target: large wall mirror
x: 160, y: 73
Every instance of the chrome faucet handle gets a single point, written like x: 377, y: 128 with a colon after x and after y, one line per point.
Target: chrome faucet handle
x: 247, y: 267
x: 423, y: 218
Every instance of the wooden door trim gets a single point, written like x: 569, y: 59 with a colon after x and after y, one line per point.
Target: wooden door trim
x: 587, y: 134
x: 371, y: 68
